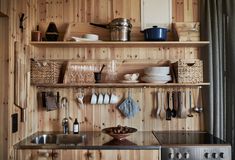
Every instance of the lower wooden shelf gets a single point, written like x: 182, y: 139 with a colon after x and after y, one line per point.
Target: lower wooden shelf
x: 121, y: 85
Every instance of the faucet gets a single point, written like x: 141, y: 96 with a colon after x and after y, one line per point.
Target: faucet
x: 65, y: 124
x: 65, y: 121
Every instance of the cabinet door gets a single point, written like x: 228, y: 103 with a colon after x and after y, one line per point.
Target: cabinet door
x: 70, y: 154
x: 27, y: 154
x: 123, y: 155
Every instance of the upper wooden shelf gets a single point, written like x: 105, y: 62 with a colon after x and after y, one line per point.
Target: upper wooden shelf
x: 121, y: 44
x: 121, y: 85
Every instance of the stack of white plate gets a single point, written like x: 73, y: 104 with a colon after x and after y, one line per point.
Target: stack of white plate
x: 156, y: 75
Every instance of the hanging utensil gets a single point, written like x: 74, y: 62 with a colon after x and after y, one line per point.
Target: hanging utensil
x: 168, y: 110
x: 173, y: 111
x: 162, y: 112
x: 190, y: 104
x: 80, y: 97
x: 182, y: 110
x: 158, y: 104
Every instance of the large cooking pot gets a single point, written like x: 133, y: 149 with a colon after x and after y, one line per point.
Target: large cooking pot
x: 155, y: 34
x: 120, y: 29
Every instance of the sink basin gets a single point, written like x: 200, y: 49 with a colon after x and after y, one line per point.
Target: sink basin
x: 71, y: 139
x: 45, y: 139
x: 58, y: 139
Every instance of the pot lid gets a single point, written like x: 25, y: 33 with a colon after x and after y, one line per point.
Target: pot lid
x: 121, y: 22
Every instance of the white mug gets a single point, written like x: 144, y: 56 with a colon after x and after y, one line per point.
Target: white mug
x: 113, y: 99
x: 100, y: 98
x: 93, y: 98
x: 106, y: 98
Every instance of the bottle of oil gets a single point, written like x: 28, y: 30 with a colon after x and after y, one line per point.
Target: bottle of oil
x: 75, y: 126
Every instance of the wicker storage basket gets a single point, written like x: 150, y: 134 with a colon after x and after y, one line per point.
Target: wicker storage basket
x: 79, y: 73
x: 45, y: 72
x: 187, y: 31
x: 189, y: 71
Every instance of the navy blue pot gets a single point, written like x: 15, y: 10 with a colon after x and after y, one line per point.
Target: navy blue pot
x: 155, y: 34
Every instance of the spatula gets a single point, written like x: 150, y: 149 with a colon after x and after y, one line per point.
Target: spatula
x: 182, y: 113
x: 158, y: 104
x: 162, y: 112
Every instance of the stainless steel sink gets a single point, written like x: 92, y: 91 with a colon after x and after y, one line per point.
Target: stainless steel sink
x: 45, y: 139
x: 71, y: 139
x: 58, y: 139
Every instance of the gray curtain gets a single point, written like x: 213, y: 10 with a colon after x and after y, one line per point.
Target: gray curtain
x: 218, y: 26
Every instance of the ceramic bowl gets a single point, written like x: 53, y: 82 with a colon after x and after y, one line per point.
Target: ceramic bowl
x: 156, y: 79
x: 119, y: 136
x: 131, y: 77
x: 157, y: 70
x: 92, y: 37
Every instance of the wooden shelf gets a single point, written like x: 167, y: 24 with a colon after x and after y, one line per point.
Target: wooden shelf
x: 58, y: 44
x: 121, y: 85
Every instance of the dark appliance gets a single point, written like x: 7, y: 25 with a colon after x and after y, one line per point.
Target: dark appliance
x: 182, y: 145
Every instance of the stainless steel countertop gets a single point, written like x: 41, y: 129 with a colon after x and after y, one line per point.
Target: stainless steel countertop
x: 96, y: 140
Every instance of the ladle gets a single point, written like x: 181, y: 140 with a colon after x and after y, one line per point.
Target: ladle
x: 173, y: 111
x: 168, y: 110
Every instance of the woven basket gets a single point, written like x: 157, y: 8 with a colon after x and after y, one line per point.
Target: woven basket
x: 74, y: 74
x: 189, y: 71
x: 45, y: 72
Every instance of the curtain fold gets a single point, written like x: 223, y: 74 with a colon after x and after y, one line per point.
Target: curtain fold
x: 218, y: 26
x: 212, y: 30
x: 230, y: 74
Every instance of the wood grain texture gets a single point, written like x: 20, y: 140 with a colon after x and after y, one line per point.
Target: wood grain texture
x: 96, y: 117
x: 3, y: 87
x: 4, y: 6
x: 91, y: 117
x: 14, y: 33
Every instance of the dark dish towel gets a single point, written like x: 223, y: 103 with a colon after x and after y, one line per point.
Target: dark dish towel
x: 129, y: 107
x: 51, y: 102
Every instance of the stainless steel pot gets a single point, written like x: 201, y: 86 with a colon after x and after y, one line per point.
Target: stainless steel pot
x: 120, y: 29
x: 120, y: 33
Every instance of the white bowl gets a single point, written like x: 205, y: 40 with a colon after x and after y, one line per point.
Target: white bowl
x: 156, y: 79
x: 157, y: 70
x: 92, y: 37
x: 131, y: 77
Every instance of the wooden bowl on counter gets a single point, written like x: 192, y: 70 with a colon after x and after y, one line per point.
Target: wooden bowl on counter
x: 119, y: 132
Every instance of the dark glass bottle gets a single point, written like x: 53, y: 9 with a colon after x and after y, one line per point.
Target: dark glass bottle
x: 75, y: 126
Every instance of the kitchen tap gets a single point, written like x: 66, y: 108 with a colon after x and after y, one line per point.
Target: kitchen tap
x: 65, y: 121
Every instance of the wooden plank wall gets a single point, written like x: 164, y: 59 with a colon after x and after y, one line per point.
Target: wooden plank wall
x: 14, y: 34
x: 91, y: 117
x: 96, y: 117
x: 3, y: 85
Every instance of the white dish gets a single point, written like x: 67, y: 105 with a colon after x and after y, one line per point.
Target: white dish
x: 78, y: 39
x: 157, y: 70
x: 93, y: 37
x: 126, y: 81
x: 156, y: 79
x: 157, y: 82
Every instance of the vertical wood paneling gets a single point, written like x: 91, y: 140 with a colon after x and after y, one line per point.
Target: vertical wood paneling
x: 3, y: 86
x: 94, y: 117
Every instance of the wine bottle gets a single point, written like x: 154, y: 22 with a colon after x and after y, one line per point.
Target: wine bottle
x: 75, y: 126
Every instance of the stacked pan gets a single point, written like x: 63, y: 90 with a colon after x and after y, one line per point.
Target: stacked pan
x: 157, y: 75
